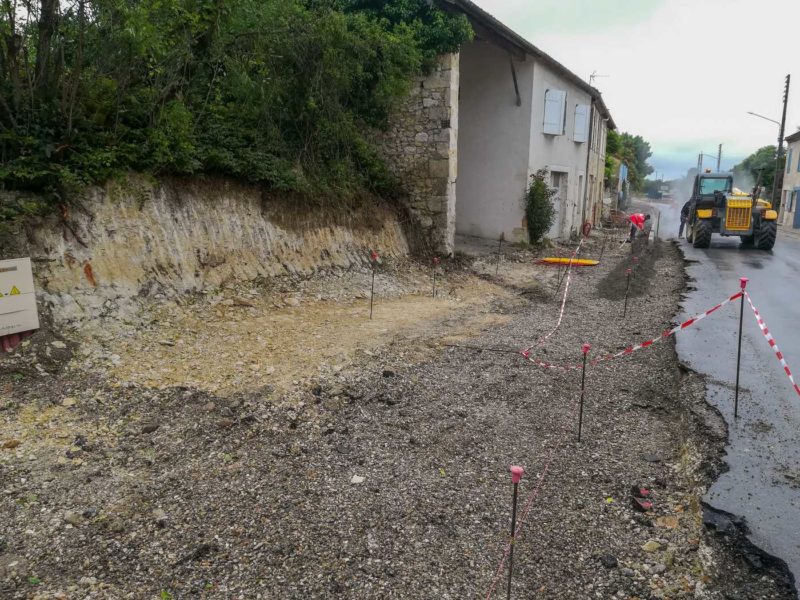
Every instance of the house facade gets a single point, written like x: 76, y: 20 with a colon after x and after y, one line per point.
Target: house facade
x: 790, y: 195
x: 472, y: 133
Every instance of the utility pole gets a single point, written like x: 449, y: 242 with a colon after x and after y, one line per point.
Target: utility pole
x: 776, y: 201
x: 719, y: 158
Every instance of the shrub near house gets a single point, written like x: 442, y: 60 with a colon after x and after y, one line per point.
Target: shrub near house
x: 540, y: 214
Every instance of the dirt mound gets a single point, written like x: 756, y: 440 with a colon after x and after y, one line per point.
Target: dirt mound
x: 613, y: 285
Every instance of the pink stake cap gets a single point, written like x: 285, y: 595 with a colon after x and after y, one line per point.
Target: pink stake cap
x: 635, y: 259
x: 627, y: 271
x: 743, y: 282
x: 585, y: 348
x: 516, y: 474
x: 525, y: 353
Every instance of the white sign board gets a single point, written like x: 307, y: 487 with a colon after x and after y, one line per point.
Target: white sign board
x: 17, y: 298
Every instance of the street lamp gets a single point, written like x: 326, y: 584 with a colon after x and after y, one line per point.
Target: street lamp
x: 778, y: 153
x: 781, y: 127
x: 763, y: 117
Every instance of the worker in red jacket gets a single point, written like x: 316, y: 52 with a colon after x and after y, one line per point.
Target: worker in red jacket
x: 639, y: 221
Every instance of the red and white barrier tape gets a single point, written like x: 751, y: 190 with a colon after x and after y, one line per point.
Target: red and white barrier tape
x: 631, y: 349
x: 548, y: 462
x: 771, y: 341
x: 542, y: 340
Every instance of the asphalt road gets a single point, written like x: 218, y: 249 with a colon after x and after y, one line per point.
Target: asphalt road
x: 763, y: 483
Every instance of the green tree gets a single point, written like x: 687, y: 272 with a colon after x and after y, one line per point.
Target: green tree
x: 632, y: 150
x: 758, y: 168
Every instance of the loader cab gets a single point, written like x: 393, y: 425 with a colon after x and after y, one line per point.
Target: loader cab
x: 710, y: 189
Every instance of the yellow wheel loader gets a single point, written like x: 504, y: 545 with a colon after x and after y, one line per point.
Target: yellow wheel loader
x: 717, y: 207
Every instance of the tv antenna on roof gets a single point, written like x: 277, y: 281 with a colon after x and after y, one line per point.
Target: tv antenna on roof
x: 594, y: 76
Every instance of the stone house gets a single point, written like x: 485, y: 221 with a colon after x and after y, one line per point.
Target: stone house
x: 790, y: 196
x: 470, y: 135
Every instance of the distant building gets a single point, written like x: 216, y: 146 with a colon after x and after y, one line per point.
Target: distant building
x: 473, y: 132
x: 597, y: 162
x: 790, y: 196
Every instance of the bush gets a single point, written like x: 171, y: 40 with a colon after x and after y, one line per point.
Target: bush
x: 540, y: 214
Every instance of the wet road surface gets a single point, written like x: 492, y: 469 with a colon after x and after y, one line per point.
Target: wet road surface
x: 763, y: 483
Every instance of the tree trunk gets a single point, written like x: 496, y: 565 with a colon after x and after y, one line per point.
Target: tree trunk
x: 10, y: 62
x: 48, y: 21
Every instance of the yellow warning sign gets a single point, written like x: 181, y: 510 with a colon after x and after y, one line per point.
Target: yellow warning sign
x: 17, y: 297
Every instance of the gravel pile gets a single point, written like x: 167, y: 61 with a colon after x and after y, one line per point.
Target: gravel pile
x: 389, y: 480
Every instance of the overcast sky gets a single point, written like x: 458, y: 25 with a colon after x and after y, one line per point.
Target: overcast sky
x: 680, y: 73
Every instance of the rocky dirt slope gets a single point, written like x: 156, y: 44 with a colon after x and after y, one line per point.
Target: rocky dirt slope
x: 383, y: 474
x: 136, y: 239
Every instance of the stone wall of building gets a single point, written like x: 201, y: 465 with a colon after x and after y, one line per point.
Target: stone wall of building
x: 420, y: 147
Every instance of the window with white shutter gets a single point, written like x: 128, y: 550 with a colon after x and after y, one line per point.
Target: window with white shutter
x: 555, y: 111
x: 581, y: 123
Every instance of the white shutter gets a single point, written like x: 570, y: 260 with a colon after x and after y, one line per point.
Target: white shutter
x: 581, y: 123
x: 555, y: 103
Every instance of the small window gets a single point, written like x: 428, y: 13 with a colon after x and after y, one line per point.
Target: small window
x: 798, y: 162
x: 789, y: 161
x: 555, y: 112
x: 582, y: 113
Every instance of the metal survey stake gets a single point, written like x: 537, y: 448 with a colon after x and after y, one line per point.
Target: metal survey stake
x: 434, y: 264
x: 627, y: 290
x: 603, y: 246
x: 743, y: 284
x: 585, y: 349
x: 516, y: 476
x: 562, y: 274
x: 374, y: 259
x: 499, y: 246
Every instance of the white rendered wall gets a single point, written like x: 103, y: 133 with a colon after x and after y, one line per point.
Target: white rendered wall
x: 559, y: 153
x: 493, y: 143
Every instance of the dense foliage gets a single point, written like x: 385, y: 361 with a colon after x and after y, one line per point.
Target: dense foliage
x: 278, y: 92
x: 758, y: 169
x: 540, y: 213
x: 632, y: 150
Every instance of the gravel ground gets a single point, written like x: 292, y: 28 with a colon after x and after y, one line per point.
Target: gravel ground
x: 388, y: 479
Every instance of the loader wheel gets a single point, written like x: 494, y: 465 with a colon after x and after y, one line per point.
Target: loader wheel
x: 702, y: 234
x: 765, y: 237
x: 689, y: 231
